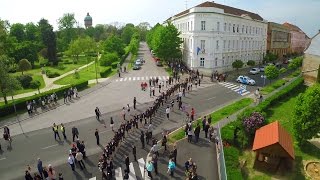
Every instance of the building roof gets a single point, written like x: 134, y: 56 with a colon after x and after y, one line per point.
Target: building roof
x: 292, y: 27
x: 271, y: 134
x: 314, y: 46
x: 227, y: 10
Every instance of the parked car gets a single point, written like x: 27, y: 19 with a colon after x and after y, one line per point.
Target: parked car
x: 246, y: 80
x: 254, y: 71
x: 262, y: 68
x: 159, y: 63
x: 138, y: 62
x: 136, y: 67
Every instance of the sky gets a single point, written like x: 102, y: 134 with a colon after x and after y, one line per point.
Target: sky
x: 303, y: 13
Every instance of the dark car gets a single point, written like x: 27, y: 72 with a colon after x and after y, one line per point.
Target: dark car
x: 159, y: 63
x: 136, y: 67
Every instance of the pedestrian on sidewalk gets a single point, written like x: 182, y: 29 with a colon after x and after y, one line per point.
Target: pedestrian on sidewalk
x: 51, y: 172
x: 128, y: 108
x: 98, y: 113
x: 155, y: 163
x: 197, y: 133
x: 79, y: 158
x: 190, y: 133
x: 119, y: 73
x: 134, y: 152
x: 123, y: 113
x: 206, y: 129
x: 149, y: 168
x: 60, y: 176
x: 175, y: 153
x: 111, y: 123
x: 192, y: 114
x: 40, y: 167
x: 142, y: 139
x: 55, y: 131
x: 63, y: 131
x: 75, y: 133
x: 164, y: 142
x: 127, y: 163
x: 96, y: 133
x: 134, y: 102
x: 171, y: 167
x: 28, y: 175
x: 71, y: 162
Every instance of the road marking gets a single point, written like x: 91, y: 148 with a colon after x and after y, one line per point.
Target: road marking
x: 164, y: 78
x: 117, y: 80
x: 147, y: 78
x: 132, y: 174
x: 93, y: 178
x: 138, y: 78
x: 243, y: 94
x: 118, y: 173
x: 244, y: 90
x: 236, y: 90
x: 229, y: 86
x: 142, y: 78
x: 121, y: 79
x: 50, y: 146
x: 125, y: 79
x: 237, y: 87
x: 150, y: 77
x: 211, y: 98
x: 134, y: 78
x: 141, y: 166
x: 167, y: 77
x: 222, y: 83
x: 3, y: 158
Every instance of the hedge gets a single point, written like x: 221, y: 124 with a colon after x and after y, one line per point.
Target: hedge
x: 104, y: 73
x: 21, y: 103
x: 231, y: 156
x: 114, y: 65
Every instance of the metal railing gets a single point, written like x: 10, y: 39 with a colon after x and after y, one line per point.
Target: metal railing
x: 220, y: 157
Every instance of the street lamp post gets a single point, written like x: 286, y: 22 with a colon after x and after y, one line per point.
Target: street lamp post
x: 95, y: 66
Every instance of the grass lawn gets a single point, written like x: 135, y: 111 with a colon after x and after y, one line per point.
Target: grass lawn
x: 34, y: 77
x: 283, y: 112
x: 86, y: 74
x: 273, y: 86
x: 216, y: 116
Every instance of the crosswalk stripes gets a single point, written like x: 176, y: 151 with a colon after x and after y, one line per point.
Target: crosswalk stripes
x: 141, y: 78
x: 141, y: 166
x: 235, y: 88
x: 132, y: 174
x: 118, y: 174
x: 93, y: 178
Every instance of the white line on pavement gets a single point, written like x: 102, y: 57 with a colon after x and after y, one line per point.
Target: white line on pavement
x: 138, y: 78
x: 134, y: 78
x: 117, y: 80
x: 132, y: 174
x: 230, y: 86
x: 141, y: 166
x: 235, y: 88
x: 50, y: 146
x: 243, y: 94
x: 211, y: 98
x: 121, y: 79
x: 147, y: 78
x: 159, y: 77
x: 125, y: 79
x: 93, y: 178
x: 142, y: 78
x: 167, y: 77
x: 118, y: 174
x: 164, y: 78
x: 129, y: 78
x: 3, y: 158
x: 150, y: 77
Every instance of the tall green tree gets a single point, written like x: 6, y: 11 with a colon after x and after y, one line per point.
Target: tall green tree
x: 271, y: 72
x: 143, y: 29
x: 67, y: 31
x: 49, y: 40
x: 24, y: 65
x: 166, y: 42
x: 270, y: 57
x: 306, y: 123
x: 237, y: 64
x: 17, y: 30
x: 127, y: 33
x: 8, y: 84
x: 114, y: 44
x: 32, y: 32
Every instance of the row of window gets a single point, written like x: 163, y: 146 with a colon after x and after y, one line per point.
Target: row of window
x: 228, y: 60
x: 227, y: 27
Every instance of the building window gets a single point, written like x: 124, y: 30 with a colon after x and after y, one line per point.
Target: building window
x: 217, y: 45
x: 233, y: 44
x: 246, y: 29
x: 203, y: 25
x: 237, y: 45
x: 216, y: 62
x: 229, y: 27
x: 242, y: 29
x: 201, y: 62
x: 223, y: 61
x: 234, y: 28
x: 218, y: 26
x: 238, y: 28
x: 188, y: 26
x: 224, y: 44
x: 191, y: 29
x: 225, y: 27
x: 229, y: 44
x: 202, y: 45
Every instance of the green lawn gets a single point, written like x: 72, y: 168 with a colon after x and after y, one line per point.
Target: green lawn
x: 283, y: 112
x: 34, y: 77
x: 216, y: 116
x: 275, y: 85
x: 86, y: 74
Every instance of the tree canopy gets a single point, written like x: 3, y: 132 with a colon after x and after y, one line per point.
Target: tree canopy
x: 306, y: 121
x: 24, y: 65
x: 237, y: 64
x: 271, y: 72
x: 49, y: 40
x: 114, y: 44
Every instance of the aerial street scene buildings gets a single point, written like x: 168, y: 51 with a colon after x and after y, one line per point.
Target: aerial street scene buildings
x: 131, y: 90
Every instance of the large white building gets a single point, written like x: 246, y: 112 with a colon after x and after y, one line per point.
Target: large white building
x: 215, y: 35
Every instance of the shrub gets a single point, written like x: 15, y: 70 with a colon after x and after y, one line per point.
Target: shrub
x: 76, y: 74
x: 35, y: 84
x: 231, y: 155
x: 251, y: 63
x: 52, y: 74
x: 253, y: 122
x: 282, y: 70
x: 105, y: 72
x: 61, y: 66
x: 108, y: 59
x: 25, y: 80
x: 114, y: 65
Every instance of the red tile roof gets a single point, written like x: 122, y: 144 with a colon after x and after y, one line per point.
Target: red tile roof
x: 227, y: 10
x: 271, y: 134
x: 292, y: 27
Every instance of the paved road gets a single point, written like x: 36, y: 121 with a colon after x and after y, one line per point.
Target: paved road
x: 27, y: 147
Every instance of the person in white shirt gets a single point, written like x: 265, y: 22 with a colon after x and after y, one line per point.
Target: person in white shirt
x: 71, y: 161
x: 168, y: 112
x: 79, y: 157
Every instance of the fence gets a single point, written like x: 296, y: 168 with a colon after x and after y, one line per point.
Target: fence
x: 220, y: 157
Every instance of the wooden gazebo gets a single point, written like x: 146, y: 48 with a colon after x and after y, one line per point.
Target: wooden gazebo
x: 274, y: 148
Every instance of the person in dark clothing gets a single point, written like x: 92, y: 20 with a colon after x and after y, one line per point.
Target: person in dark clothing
x: 164, y: 142
x: 28, y: 176
x: 127, y: 162
x: 197, y: 132
x: 63, y: 130
x: 134, y: 102
x: 98, y: 113
x: 206, y: 129
x: 142, y: 139
x: 155, y: 163
x: 175, y: 153
x: 134, y: 152
x: 75, y: 133
x: 96, y: 133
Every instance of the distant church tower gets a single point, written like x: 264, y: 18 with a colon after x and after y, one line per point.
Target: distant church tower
x: 88, y: 21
